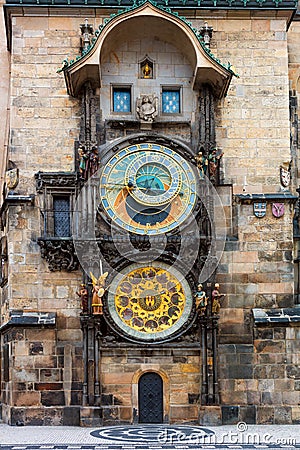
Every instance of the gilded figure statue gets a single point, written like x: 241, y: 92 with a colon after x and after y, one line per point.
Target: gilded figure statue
x: 147, y: 71
x: 202, y: 164
x: 98, y: 292
x: 216, y: 297
x: 201, y: 300
x: 213, y: 162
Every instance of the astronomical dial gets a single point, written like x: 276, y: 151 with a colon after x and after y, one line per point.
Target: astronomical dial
x: 148, y: 189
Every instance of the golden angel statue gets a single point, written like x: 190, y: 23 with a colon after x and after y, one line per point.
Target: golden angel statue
x: 98, y: 292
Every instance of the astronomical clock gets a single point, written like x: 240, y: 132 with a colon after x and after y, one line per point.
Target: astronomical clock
x: 148, y: 191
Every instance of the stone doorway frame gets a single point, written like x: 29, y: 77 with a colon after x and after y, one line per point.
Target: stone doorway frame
x: 166, y: 392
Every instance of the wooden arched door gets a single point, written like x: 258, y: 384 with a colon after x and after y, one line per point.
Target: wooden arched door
x: 151, y: 398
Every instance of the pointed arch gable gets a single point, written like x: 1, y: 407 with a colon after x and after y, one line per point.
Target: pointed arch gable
x: 149, y: 20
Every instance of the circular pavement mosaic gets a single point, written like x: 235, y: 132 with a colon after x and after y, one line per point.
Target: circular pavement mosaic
x: 154, y: 434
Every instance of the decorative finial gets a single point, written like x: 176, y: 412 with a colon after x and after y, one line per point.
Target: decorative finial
x: 206, y: 33
x: 86, y: 38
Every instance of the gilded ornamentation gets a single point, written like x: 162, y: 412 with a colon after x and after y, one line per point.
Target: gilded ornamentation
x: 202, y: 164
x: 98, y: 292
x: 146, y: 68
x: 149, y: 299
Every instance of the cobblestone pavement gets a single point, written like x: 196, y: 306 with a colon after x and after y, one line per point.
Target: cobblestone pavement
x: 154, y: 437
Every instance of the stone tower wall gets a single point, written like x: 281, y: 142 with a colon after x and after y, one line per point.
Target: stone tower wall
x: 256, y: 268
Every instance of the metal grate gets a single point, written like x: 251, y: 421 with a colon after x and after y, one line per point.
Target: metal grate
x: 61, y: 210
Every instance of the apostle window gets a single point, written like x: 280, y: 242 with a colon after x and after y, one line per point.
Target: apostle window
x: 171, y: 102
x: 121, y: 99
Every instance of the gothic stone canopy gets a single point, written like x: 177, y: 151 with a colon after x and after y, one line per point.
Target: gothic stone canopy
x: 149, y: 20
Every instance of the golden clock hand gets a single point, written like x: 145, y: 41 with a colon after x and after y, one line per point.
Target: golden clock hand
x: 116, y: 185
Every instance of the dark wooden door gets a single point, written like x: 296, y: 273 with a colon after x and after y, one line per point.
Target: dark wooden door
x: 150, y: 398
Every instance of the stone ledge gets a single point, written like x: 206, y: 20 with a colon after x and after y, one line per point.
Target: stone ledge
x: 16, y: 199
x: 18, y: 318
x: 283, y: 196
x: 281, y: 315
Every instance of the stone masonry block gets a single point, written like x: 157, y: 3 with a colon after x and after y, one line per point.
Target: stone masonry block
x: 283, y: 415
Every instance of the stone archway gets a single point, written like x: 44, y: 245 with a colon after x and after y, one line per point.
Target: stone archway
x: 139, y: 378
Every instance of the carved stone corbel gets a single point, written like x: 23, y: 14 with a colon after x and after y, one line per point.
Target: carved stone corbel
x: 59, y: 254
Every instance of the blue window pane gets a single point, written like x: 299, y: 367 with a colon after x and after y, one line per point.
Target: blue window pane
x: 122, y: 100
x: 171, y: 102
x: 61, y: 206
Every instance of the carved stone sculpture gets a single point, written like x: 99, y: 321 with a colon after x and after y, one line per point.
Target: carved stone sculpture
x: 147, y: 108
x: 60, y: 254
x: 12, y: 178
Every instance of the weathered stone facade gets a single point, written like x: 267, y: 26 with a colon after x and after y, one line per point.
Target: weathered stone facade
x: 64, y: 365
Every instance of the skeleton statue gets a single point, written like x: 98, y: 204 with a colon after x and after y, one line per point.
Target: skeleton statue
x: 213, y: 163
